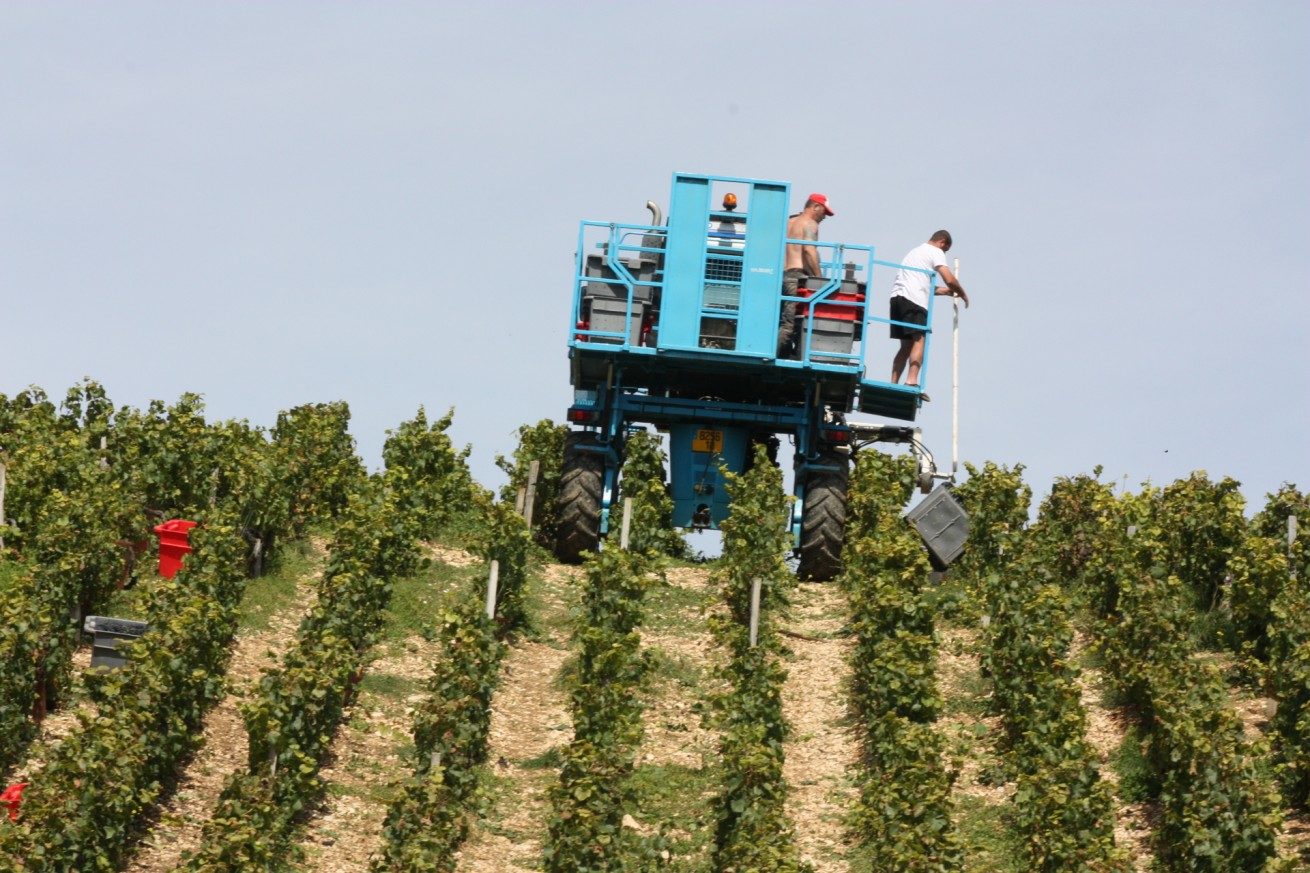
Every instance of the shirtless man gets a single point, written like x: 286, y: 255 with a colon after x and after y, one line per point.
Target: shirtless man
x: 909, y: 303
x: 801, y: 260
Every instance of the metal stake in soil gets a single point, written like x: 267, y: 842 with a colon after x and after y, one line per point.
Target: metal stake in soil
x: 1291, y: 522
x: 492, y: 578
x: 755, y: 611
x: 627, y: 523
x: 530, y: 498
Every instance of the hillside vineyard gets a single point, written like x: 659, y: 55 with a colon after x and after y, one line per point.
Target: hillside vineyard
x: 387, y: 671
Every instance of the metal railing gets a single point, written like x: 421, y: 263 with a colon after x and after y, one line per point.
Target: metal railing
x: 619, y: 245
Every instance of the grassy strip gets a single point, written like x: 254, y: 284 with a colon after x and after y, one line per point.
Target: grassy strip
x: 301, y: 703
x: 428, y: 820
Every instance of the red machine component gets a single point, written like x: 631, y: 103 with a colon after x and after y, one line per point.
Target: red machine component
x: 174, y: 544
x: 827, y: 310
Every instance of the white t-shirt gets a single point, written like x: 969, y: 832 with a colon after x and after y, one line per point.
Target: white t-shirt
x: 913, y: 285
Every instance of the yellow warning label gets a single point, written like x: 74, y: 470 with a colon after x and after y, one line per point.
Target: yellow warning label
x: 707, y: 440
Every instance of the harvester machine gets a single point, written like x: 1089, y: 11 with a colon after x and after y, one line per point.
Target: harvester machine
x: 676, y: 323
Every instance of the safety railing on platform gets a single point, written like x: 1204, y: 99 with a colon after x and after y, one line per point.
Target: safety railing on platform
x: 617, y: 278
x: 833, y: 305
x: 926, y: 327
x: 836, y: 292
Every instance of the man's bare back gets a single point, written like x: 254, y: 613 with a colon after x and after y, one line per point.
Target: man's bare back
x: 799, y: 257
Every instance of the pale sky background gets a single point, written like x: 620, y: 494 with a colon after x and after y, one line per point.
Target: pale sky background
x: 275, y: 203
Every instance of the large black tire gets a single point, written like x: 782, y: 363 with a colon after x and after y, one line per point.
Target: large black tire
x: 577, y: 508
x: 823, y: 519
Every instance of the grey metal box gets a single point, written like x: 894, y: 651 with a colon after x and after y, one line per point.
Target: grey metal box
x: 830, y: 335
x: 942, y: 522
x: 641, y: 270
x: 607, y: 302
x: 107, y: 634
x: 608, y: 313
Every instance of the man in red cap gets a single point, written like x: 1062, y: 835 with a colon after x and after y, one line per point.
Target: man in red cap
x: 801, y: 260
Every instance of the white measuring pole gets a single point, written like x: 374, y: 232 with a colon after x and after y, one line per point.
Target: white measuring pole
x: 627, y: 523
x: 955, y: 380
x: 1291, y: 519
x: 755, y: 611
x: 492, y: 578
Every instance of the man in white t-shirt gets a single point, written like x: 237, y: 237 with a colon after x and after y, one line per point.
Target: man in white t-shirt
x: 909, y: 302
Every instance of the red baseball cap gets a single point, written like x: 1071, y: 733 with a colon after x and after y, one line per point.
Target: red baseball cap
x: 822, y: 200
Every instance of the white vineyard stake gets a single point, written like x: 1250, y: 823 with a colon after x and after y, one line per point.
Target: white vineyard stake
x: 492, y: 578
x: 530, y: 499
x: 1291, y: 521
x: 755, y: 611
x: 627, y: 524
x: 2, y: 501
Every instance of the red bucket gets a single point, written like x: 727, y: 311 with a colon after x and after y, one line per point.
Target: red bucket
x: 174, y: 543
x: 12, y: 797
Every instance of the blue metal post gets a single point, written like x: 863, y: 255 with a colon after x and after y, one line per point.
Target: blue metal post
x: 684, y: 263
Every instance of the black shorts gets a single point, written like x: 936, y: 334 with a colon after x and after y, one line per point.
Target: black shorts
x: 905, y: 309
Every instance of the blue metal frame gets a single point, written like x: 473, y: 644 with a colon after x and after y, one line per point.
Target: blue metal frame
x: 623, y: 380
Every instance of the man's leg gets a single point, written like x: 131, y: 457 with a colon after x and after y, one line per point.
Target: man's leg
x: 898, y: 362
x: 916, y: 361
x: 787, y: 330
x: 791, y: 280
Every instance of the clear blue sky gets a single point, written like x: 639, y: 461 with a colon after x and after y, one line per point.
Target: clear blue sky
x: 275, y: 203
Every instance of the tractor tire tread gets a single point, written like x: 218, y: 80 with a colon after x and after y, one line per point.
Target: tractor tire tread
x: 823, y: 522
x: 578, y: 504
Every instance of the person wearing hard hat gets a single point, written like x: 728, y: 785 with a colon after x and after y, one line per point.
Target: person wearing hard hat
x: 801, y: 261
x: 909, y: 303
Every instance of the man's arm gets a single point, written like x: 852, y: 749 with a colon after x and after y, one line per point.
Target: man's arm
x: 951, y: 286
x: 810, y: 254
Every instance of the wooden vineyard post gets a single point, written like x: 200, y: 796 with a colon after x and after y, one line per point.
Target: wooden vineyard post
x: 627, y: 523
x: 755, y: 611
x: 492, y: 578
x: 530, y: 498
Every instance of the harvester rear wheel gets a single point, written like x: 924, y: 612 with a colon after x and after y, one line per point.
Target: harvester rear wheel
x: 823, y: 519
x: 578, y: 506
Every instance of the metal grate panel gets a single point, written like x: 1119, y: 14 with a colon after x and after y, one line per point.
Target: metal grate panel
x: 722, y: 269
